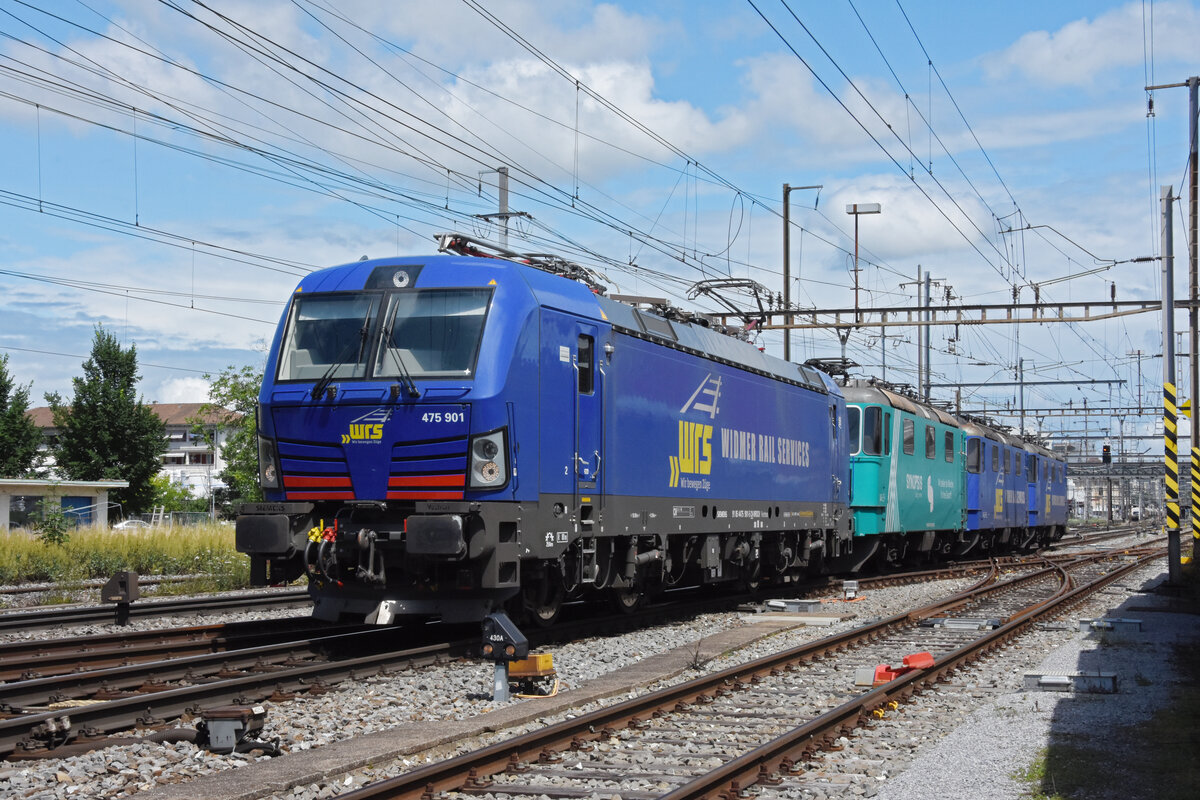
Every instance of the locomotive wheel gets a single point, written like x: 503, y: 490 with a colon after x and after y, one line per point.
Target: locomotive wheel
x: 543, y: 599
x: 627, y: 599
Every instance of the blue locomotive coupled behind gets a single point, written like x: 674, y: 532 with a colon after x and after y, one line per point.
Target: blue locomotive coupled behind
x: 449, y: 435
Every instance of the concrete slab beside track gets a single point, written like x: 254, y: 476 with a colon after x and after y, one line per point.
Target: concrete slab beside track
x: 279, y: 775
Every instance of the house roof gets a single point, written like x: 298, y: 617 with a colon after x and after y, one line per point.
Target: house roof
x: 169, y: 413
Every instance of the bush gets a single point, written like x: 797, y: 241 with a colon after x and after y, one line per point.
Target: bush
x: 52, y: 525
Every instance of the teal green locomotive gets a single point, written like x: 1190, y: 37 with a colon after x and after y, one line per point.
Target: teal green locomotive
x: 907, y: 485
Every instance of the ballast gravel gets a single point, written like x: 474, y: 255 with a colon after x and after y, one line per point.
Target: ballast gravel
x: 1002, y: 727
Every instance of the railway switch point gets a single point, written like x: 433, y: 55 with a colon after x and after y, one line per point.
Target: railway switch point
x: 121, y: 589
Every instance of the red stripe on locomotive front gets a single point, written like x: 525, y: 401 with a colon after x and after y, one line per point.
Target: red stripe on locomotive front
x: 426, y: 480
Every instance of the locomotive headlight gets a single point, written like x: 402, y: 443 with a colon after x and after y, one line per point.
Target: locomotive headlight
x: 489, y: 462
x: 268, y: 467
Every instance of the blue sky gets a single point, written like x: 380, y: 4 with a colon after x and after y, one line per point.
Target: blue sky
x: 159, y: 180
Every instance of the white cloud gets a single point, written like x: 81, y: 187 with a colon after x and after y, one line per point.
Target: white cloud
x: 181, y: 390
x: 1084, y: 52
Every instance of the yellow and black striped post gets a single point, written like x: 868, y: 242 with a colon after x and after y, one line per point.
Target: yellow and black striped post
x: 1171, y: 453
x: 1195, y: 500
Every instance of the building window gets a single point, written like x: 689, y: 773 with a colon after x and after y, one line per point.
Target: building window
x: 200, y: 459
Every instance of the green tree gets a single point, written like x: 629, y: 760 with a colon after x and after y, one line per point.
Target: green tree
x: 106, y: 432
x: 175, y: 497
x: 19, y: 436
x: 233, y: 407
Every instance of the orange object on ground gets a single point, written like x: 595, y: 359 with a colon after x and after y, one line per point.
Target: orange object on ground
x: 885, y: 673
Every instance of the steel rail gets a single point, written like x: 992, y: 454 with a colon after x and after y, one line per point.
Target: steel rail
x: 19, y: 735
x: 30, y: 659
x: 458, y: 772
x: 780, y: 755
x: 109, y: 614
x: 18, y: 695
x: 41, y: 658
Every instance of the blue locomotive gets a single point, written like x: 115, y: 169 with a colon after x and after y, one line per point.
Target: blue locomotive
x: 444, y: 435
x: 451, y: 435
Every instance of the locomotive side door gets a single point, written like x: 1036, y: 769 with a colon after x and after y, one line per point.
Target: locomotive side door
x: 589, y: 427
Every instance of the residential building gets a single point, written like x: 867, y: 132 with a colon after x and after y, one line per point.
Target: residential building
x: 190, y: 459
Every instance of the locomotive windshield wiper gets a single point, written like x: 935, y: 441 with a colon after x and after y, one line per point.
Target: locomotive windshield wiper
x: 406, y: 380
x: 323, y: 383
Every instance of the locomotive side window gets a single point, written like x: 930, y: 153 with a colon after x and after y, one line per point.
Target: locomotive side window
x: 328, y: 334
x: 948, y: 445
x: 910, y: 437
x: 887, y: 434
x: 587, y: 383
x: 872, y: 433
x: 1033, y: 470
x: 995, y: 457
x: 974, y: 461
x: 432, y: 333
x: 930, y: 442
x: 854, y: 418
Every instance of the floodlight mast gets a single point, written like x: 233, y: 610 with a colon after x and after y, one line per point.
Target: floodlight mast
x: 856, y: 210
x: 787, y: 268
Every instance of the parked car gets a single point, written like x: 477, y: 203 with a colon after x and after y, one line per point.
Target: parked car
x: 131, y: 525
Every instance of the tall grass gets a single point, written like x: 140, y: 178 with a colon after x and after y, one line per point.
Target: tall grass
x: 95, y: 553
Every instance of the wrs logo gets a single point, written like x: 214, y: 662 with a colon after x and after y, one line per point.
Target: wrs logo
x: 363, y: 433
x: 367, y: 428
x: 695, y: 452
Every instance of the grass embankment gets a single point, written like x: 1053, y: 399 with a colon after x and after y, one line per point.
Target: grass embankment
x: 206, y: 551
x: 1157, y: 758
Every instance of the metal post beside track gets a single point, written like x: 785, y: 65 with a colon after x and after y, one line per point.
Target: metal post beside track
x: 1170, y: 413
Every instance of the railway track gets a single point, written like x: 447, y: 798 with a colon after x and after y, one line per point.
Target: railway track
x: 42, y: 618
x: 752, y: 725
x: 105, y: 684
x: 40, y: 658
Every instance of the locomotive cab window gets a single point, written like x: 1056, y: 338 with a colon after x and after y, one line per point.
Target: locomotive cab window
x: 432, y: 333
x: 910, y: 437
x: 328, y: 334
x: 854, y: 420
x: 887, y: 434
x: 587, y: 383
x: 930, y: 442
x: 974, y: 460
x: 995, y: 458
x: 872, y: 436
